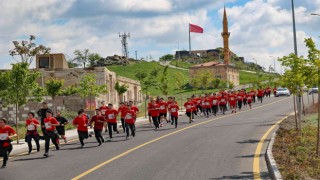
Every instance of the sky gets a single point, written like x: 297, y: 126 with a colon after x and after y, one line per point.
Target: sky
x: 261, y: 30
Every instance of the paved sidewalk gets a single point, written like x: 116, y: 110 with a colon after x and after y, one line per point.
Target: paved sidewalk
x: 22, y: 147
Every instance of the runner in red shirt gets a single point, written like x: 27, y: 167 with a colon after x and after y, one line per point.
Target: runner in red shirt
x: 274, y: 91
x: 244, y: 96
x: 169, y: 103
x: 260, y: 95
x: 268, y: 91
x: 215, y: 103
x: 32, y: 132
x: 198, y: 104
x: 163, y: 111
x: 189, y: 105
x: 223, y: 103
x: 98, y: 120
x: 103, y: 108
x: 253, y: 94
x: 6, y: 133
x: 81, y: 122
x: 50, y: 124
x: 240, y: 99
x: 233, y: 102
x: 130, y: 116
x: 154, y: 110
x: 207, y: 105
x: 249, y: 99
x: 174, y: 109
x: 136, y: 110
x: 149, y: 114
x: 122, y: 109
x: 111, y: 115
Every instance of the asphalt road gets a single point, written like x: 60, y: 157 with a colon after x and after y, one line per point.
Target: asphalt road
x: 219, y: 147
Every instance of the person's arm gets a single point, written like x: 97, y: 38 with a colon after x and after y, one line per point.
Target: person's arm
x: 39, y: 112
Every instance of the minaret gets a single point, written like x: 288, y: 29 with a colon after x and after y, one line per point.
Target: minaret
x: 225, y: 34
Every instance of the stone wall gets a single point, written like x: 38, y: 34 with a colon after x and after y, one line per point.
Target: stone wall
x: 223, y: 72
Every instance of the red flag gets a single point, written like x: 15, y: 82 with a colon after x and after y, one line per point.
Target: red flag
x: 195, y: 28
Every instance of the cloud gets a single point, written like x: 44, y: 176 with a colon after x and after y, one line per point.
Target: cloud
x: 260, y: 28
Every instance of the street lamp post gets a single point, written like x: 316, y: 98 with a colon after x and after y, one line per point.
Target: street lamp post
x: 314, y: 14
x: 296, y: 53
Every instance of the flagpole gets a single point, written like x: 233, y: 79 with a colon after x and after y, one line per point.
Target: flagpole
x: 189, y: 41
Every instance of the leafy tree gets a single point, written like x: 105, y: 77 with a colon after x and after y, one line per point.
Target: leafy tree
x: 69, y: 91
x: 216, y: 82
x: 121, y: 89
x: 195, y: 83
x: 88, y: 87
x: 314, y: 59
x: 205, y: 79
x: 231, y: 85
x: 164, y: 83
x: 20, y: 87
x: 93, y: 58
x: 27, y: 50
x: 147, y: 81
x: 180, y: 82
x: 167, y: 57
x: 53, y: 88
x: 82, y: 57
x: 294, y: 78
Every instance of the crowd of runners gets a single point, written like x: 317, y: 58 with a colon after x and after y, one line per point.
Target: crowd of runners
x: 106, y: 117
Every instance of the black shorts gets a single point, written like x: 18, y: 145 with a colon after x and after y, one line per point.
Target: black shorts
x: 149, y: 114
x: 83, y: 134
x: 61, y: 130
x: 163, y: 114
x: 5, y: 150
x: 188, y: 114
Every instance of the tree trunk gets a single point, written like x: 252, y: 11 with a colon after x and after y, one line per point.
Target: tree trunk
x: 145, y: 106
x: 295, y: 111
x: 318, y: 133
x: 303, y: 107
x: 312, y: 98
x: 17, y: 124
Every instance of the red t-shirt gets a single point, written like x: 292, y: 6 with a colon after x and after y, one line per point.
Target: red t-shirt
x: 260, y: 93
x: 163, y: 107
x: 154, y: 110
x: 189, y: 106
x: 173, y: 109
x: 274, y: 90
x: 5, y: 132
x: 215, y: 101
x: 34, y: 126
x: 81, y: 122
x: 48, y: 121
x: 135, y: 109
x: 97, y: 121
x: 111, y: 115
x: 122, y: 110
x: 130, y: 116
x: 240, y: 97
x: 149, y: 105
x: 232, y: 100
x: 223, y: 101
x: 103, y: 110
x: 249, y: 98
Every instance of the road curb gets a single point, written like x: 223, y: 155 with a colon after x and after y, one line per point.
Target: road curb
x: 271, y: 163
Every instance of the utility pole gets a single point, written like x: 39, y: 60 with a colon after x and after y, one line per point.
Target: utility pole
x: 124, y: 43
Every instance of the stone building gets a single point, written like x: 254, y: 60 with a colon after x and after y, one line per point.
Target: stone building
x: 55, y: 66
x: 218, y: 70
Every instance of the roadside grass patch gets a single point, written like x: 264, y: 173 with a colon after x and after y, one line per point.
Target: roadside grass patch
x: 295, y: 155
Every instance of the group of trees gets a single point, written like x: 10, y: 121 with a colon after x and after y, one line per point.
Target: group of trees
x: 19, y: 85
x: 302, y: 72
x: 83, y: 58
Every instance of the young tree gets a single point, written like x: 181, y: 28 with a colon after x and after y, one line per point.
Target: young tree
x: 164, y: 83
x: 27, y: 50
x: 314, y: 59
x: 167, y: 57
x: 147, y: 81
x: 121, y: 89
x: 53, y: 88
x: 205, y: 79
x: 20, y: 87
x: 69, y: 91
x: 82, y: 57
x: 93, y: 58
x: 195, y: 83
x: 180, y: 82
x: 216, y: 82
x: 88, y: 87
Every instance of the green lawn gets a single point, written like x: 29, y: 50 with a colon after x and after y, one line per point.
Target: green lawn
x: 182, y: 64
x: 247, y: 77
